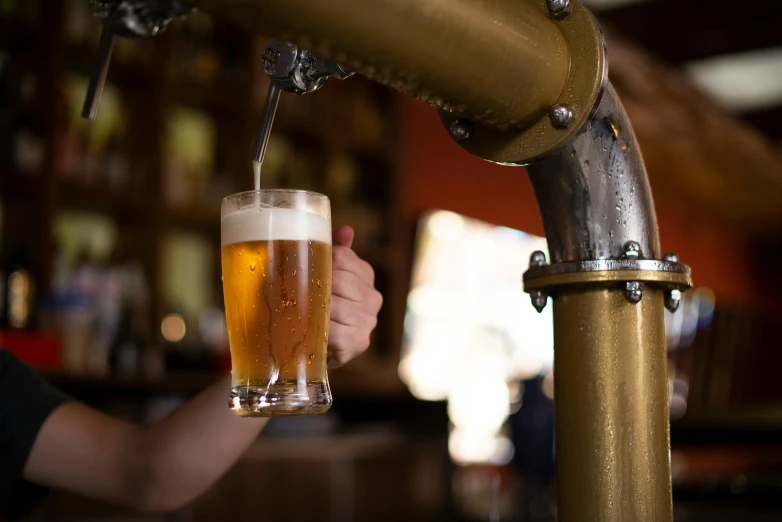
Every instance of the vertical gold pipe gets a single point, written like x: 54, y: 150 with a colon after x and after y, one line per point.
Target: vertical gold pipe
x: 612, y: 427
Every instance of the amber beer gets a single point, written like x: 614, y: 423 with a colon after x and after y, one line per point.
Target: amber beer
x: 276, y: 262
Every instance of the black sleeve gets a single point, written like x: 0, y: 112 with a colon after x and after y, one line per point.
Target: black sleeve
x: 26, y: 400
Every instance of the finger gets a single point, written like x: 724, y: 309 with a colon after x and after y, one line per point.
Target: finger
x: 343, y: 236
x: 346, y: 259
x: 348, y: 285
x: 345, y: 343
x: 351, y: 313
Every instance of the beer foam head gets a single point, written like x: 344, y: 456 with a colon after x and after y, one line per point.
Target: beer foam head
x: 269, y: 223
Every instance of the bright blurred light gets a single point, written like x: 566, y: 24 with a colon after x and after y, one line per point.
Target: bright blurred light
x: 446, y: 225
x: 467, y: 447
x: 424, y: 384
x: 547, y: 386
x: 471, y: 332
x: 173, y: 328
x: 705, y: 301
x: 480, y: 400
x: 741, y: 82
x: 212, y: 329
x: 695, y: 312
x: 678, y: 392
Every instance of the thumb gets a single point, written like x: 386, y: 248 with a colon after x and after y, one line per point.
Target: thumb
x: 343, y: 236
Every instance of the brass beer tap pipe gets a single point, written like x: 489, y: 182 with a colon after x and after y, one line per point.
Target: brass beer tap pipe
x: 501, y: 63
x: 524, y: 82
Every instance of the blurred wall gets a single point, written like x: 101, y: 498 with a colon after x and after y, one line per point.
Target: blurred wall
x: 439, y: 174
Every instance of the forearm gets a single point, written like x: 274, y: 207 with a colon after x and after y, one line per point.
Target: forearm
x: 157, y: 469
x: 188, y: 451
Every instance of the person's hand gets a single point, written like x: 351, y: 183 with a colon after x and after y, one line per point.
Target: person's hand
x: 354, y: 301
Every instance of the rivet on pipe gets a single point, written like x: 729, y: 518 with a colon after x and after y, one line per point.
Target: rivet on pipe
x: 561, y: 115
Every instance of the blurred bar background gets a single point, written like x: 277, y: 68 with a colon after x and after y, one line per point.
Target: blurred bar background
x: 110, y: 275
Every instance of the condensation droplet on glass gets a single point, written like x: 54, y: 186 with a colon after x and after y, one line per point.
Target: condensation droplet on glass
x: 318, y: 283
x: 252, y: 266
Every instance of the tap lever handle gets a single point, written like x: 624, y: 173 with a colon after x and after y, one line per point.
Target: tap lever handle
x: 298, y: 70
x: 98, y: 76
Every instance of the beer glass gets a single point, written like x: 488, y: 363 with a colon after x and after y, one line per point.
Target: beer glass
x: 276, y: 262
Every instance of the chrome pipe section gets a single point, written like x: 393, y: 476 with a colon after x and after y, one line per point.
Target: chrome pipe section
x: 593, y: 194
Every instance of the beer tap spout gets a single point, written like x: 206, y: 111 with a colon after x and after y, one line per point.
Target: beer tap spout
x: 294, y: 70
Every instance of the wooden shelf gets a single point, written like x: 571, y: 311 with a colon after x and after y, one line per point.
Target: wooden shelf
x: 210, y: 97
x: 98, y: 199
x: 80, y: 59
x: 741, y: 425
x: 19, y: 36
x: 196, y: 218
x: 173, y: 382
x: 19, y: 187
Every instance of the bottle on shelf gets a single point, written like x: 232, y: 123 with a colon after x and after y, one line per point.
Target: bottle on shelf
x: 28, y: 146
x: 189, y: 157
x: 20, y: 290
x: 16, y: 11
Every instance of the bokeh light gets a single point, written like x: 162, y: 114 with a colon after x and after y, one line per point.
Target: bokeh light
x: 471, y: 332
